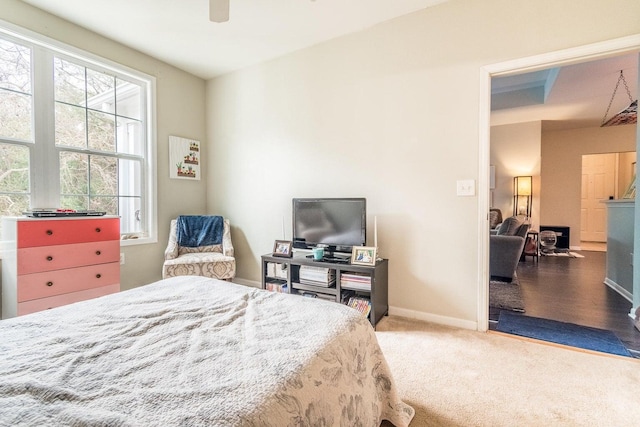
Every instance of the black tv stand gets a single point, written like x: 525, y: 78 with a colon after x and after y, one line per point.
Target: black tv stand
x: 288, y: 280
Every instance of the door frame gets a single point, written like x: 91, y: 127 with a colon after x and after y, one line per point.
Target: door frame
x: 596, y: 51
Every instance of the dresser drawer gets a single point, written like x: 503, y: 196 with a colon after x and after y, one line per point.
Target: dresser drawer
x: 63, y: 232
x: 60, y: 300
x: 50, y: 283
x: 58, y: 257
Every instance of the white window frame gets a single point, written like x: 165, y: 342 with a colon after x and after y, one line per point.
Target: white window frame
x: 40, y: 165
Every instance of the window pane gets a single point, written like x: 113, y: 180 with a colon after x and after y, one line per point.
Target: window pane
x: 15, y: 115
x: 74, y: 174
x: 130, y: 178
x: 14, y: 168
x: 105, y: 204
x: 13, y: 204
x: 70, y: 126
x: 130, y: 137
x: 69, y: 81
x: 78, y: 203
x: 129, y: 100
x: 101, y: 133
x: 103, y: 176
x: 130, y: 215
x: 99, y: 118
x: 100, y: 91
x: 15, y: 67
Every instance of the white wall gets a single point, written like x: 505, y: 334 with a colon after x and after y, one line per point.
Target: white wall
x: 391, y: 114
x: 515, y: 151
x: 180, y: 111
x: 562, y: 169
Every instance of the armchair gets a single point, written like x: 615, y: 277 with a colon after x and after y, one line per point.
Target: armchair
x: 216, y: 261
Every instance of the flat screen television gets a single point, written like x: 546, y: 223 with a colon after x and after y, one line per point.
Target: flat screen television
x: 338, y: 224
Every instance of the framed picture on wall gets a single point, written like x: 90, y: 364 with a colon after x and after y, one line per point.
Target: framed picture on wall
x: 184, y: 158
x: 631, y: 190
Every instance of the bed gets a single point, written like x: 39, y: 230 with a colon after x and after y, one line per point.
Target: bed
x: 195, y: 351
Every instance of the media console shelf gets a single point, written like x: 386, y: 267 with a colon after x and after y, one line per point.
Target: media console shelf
x: 336, y: 281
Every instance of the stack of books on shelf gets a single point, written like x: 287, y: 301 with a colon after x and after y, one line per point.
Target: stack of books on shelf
x: 317, y: 276
x: 277, y: 287
x: 275, y: 269
x: 363, y: 305
x: 361, y: 282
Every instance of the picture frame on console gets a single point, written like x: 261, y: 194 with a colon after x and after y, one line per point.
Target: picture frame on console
x: 363, y: 255
x: 283, y: 248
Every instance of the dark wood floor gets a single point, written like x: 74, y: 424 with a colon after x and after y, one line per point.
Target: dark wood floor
x: 572, y: 290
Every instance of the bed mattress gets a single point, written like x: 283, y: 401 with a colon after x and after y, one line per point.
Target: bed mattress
x: 195, y: 351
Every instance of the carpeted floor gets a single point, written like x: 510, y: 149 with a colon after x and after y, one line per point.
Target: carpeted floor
x: 455, y: 377
x: 506, y: 296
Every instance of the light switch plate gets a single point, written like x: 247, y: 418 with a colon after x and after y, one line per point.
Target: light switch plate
x: 466, y: 187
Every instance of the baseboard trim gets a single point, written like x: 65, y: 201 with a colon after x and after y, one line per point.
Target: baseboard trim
x: 396, y: 311
x: 246, y: 282
x: 433, y: 318
x: 619, y: 289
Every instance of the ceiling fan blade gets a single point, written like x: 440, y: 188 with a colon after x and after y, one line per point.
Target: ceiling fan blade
x: 219, y: 10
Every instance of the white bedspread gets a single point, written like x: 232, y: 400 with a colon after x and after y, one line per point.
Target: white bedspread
x: 193, y: 351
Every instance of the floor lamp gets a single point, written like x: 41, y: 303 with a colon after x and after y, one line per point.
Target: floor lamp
x: 522, y: 196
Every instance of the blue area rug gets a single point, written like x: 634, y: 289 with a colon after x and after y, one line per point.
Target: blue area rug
x: 561, y: 333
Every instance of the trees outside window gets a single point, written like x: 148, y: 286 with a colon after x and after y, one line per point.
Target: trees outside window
x: 73, y: 134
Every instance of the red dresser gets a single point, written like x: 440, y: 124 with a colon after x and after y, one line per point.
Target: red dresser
x: 47, y: 263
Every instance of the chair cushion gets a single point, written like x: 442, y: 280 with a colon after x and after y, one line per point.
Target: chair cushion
x: 182, y: 250
x: 199, y: 257
x: 208, y: 264
x: 509, y: 226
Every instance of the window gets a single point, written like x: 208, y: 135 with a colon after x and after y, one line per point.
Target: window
x: 75, y: 133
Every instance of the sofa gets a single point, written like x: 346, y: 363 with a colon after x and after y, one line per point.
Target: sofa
x: 505, y: 248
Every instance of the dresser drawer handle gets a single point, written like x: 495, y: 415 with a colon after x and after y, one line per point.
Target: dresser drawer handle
x: 98, y: 229
x: 98, y: 276
x: 49, y: 258
x: 49, y: 283
x: 49, y: 232
x: 97, y: 252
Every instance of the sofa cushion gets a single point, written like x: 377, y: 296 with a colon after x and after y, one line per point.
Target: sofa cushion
x: 504, y: 255
x: 509, y: 226
x: 522, y: 230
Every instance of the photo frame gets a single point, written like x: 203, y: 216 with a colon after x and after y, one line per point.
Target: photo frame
x: 631, y: 190
x: 283, y: 248
x: 364, y: 255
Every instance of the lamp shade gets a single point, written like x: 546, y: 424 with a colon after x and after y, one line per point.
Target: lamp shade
x: 522, y: 185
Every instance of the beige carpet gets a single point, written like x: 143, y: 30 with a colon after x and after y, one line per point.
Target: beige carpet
x: 456, y: 377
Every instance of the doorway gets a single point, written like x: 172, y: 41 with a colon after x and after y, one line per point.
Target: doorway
x: 570, y: 56
x: 604, y: 176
